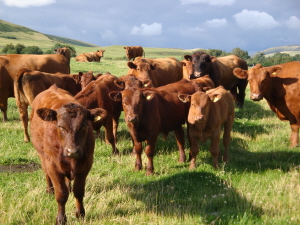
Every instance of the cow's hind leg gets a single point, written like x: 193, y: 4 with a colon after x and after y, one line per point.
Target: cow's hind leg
x: 242, y: 85
x: 179, y: 134
x: 294, y: 138
x: 109, y: 135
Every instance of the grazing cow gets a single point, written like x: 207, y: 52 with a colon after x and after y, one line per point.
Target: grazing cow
x: 134, y: 51
x: 280, y: 86
x: 29, y: 83
x: 160, y: 71
x: 62, y: 135
x: 150, y: 111
x: 90, y: 56
x: 11, y: 64
x: 221, y: 72
x: 208, y: 113
x: 187, y: 68
x: 95, y: 95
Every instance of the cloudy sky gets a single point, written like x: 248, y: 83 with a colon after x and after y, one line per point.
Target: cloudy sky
x: 252, y: 25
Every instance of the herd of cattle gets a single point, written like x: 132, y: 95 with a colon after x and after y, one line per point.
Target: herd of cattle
x: 157, y: 96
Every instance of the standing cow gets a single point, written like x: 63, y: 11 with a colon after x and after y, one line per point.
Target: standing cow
x: 62, y: 135
x: 160, y: 71
x: 90, y: 56
x: 11, y: 64
x: 208, y: 113
x: 134, y: 51
x: 280, y: 86
x: 221, y: 72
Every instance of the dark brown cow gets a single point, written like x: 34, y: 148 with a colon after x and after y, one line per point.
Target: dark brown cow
x: 95, y: 95
x: 62, y: 135
x: 134, y: 51
x: 221, y: 72
x: 280, y: 86
x: 10, y: 65
x: 29, y: 83
x: 160, y: 71
x: 90, y: 56
x: 150, y: 111
x: 208, y: 113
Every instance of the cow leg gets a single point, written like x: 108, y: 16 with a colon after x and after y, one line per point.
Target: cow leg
x: 116, y: 123
x: 242, y: 85
x: 215, y: 146
x: 109, y: 135
x: 23, y: 110
x: 78, y: 189
x: 150, y: 151
x: 233, y: 91
x: 179, y: 134
x: 194, y: 140
x: 137, y: 149
x: 226, y: 139
x: 294, y: 138
x: 3, y: 108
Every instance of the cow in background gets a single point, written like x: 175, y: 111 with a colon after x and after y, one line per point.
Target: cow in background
x: 207, y: 114
x: 221, y: 72
x: 65, y: 51
x: 90, y: 56
x: 160, y: 71
x: 11, y: 64
x: 29, y: 83
x: 63, y: 137
x: 187, y: 68
x: 134, y: 51
x: 280, y: 86
x: 88, y: 77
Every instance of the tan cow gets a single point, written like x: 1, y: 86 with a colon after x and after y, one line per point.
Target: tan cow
x: 187, y: 67
x: 11, y: 64
x: 134, y: 51
x: 65, y: 51
x: 160, y: 71
x: 90, y: 56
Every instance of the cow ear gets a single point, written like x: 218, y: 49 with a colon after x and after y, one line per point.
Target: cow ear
x: 239, y: 73
x: 147, y: 83
x: 97, y: 114
x: 274, y: 70
x: 213, y: 58
x: 47, y: 114
x: 216, y: 97
x: 119, y: 83
x: 182, y: 63
x: 115, y: 95
x: 131, y: 65
x: 154, y: 66
x: 187, y: 57
x: 148, y: 95
x: 184, y: 98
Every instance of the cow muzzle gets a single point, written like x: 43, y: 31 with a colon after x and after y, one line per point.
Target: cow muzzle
x: 199, y: 118
x: 256, y: 97
x: 197, y: 74
x: 132, y: 119
x: 73, y: 152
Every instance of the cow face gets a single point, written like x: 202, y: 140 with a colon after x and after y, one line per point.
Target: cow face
x: 100, y: 53
x: 142, y: 68
x: 72, y: 122
x: 86, y: 78
x: 201, y: 63
x: 188, y: 70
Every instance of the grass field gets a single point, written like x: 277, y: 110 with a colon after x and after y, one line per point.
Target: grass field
x: 260, y: 184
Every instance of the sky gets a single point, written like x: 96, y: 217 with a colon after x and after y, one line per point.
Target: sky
x: 252, y: 25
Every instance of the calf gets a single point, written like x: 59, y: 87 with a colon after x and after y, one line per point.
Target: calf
x: 208, y: 113
x: 63, y: 137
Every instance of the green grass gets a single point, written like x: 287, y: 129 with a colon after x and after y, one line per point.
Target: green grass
x: 260, y: 184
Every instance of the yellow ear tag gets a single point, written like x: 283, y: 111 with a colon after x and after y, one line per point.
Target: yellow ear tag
x: 215, y: 99
x: 97, y: 118
x: 274, y: 73
x: 148, y: 97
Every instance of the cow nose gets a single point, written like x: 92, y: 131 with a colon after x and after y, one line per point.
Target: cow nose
x: 199, y: 118
x: 197, y: 74
x: 256, y: 97
x: 72, y: 152
x: 132, y: 119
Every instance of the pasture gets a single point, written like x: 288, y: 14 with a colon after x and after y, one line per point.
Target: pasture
x: 259, y: 185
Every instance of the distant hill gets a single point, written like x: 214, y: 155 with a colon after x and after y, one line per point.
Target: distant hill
x: 14, y: 34
x: 289, y: 49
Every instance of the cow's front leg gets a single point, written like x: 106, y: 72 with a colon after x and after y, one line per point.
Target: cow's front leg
x: 179, y: 134
x: 150, y: 152
x: 294, y: 138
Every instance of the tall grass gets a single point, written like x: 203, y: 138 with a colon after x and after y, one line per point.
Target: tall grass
x: 260, y: 184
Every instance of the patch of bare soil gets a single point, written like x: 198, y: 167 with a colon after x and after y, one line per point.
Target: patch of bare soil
x: 19, y: 168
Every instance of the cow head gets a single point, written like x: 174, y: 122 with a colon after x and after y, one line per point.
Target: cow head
x: 100, y: 53
x: 142, y: 68
x: 259, y: 79
x: 133, y: 100
x: 200, y: 105
x: 187, y: 67
x: 86, y: 78
x: 133, y: 82
x: 72, y: 122
x: 65, y: 51
x: 201, y: 63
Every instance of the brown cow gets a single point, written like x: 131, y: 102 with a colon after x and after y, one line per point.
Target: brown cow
x: 95, y: 95
x: 221, y: 72
x: 130, y: 80
x: 90, y: 56
x: 187, y: 68
x: 160, y: 71
x: 150, y: 111
x: 29, y: 83
x: 280, y: 86
x: 11, y: 64
x: 88, y: 77
x: 62, y: 135
x: 208, y: 113
x: 134, y: 51
x: 65, y: 51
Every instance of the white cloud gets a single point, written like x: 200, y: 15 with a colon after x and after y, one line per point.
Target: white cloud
x: 248, y: 19
x: 216, y: 22
x: 209, y: 2
x: 153, y: 29
x: 293, y: 22
x: 28, y: 3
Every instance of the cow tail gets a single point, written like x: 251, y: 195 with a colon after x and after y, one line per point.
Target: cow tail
x: 18, y: 89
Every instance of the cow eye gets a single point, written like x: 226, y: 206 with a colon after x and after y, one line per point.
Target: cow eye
x: 61, y: 128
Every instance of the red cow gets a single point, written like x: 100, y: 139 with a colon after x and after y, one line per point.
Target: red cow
x: 280, y: 86
x: 134, y: 51
x: 221, y: 72
x: 208, y: 113
x: 62, y: 135
x: 187, y: 67
x: 86, y: 78
x: 160, y: 71
x: 150, y: 111
x: 10, y: 65
x: 90, y: 56
x: 95, y: 95
x: 29, y: 83
x: 65, y: 51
